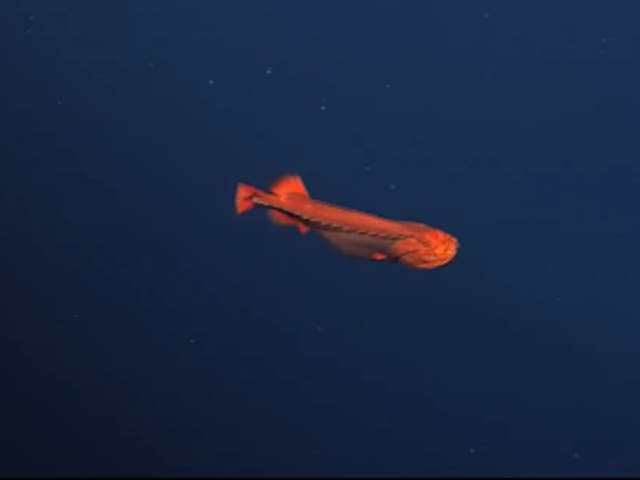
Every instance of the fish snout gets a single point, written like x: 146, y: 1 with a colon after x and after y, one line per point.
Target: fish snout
x: 447, y: 250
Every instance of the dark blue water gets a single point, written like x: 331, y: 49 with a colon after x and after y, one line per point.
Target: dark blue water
x: 148, y: 330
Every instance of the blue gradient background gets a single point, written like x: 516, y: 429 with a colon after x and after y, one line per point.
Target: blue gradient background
x: 148, y: 330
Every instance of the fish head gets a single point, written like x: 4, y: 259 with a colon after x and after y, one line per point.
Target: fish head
x: 428, y: 249
x: 444, y: 247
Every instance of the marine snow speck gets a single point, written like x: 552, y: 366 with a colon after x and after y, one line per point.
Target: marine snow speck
x: 350, y: 232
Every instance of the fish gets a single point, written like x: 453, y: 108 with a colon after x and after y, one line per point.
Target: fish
x: 350, y: 232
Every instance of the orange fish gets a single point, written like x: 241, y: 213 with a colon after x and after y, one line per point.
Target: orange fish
x: 352, y: 233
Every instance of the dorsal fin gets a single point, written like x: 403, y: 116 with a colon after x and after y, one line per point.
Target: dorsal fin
x: 289, y: 184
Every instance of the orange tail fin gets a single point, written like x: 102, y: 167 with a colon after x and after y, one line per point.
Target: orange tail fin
x: 244, y: 198
x: 289, y: 184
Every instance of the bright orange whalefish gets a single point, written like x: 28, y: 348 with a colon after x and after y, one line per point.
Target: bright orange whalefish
x: 352, y: 233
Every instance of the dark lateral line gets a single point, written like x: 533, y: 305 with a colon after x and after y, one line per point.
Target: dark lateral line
x: 313, y: 222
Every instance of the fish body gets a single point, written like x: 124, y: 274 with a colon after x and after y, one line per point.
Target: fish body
x: 351, y: 232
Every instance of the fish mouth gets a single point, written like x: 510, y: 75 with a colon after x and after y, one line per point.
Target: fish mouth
x: 441, y: 257
x: 449, y: 261
x: 442, y: 262
x: 418, y: 259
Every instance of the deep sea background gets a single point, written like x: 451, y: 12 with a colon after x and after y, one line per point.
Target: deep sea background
x: 146, y: 329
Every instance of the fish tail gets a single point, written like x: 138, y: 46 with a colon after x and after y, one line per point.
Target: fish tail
x: 245, y: 195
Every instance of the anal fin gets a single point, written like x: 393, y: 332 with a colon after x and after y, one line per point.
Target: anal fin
x: 284, y: 220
